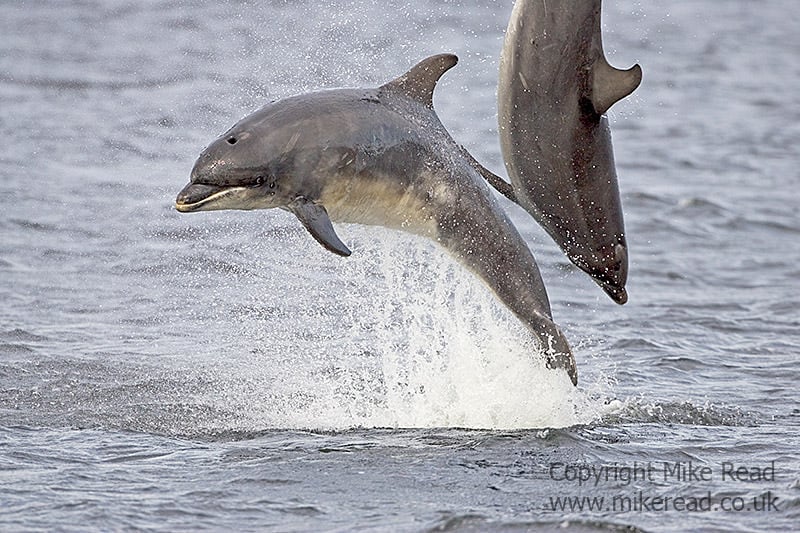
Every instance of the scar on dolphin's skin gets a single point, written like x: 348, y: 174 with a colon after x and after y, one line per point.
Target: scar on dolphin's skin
x: 554, y: 89
x: 378, y: 156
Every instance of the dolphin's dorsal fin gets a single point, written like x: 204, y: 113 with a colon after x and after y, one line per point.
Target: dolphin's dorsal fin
x: 419, y: 82
x: 610, y: 85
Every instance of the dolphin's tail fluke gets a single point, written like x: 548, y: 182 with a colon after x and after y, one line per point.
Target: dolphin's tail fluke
x: 501, y: 185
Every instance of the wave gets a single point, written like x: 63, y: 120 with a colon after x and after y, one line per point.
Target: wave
x: 640, y: 411
x: 80, y: 84
x: 477, y: 522
x: 21, y: 335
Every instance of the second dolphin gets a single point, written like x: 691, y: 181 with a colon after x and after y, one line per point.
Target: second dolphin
x: 555, y: 88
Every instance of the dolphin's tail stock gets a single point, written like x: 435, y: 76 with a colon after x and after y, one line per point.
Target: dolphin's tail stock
x: 556, y: 349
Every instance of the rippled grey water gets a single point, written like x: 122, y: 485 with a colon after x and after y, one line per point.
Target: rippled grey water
x: 221, y: 371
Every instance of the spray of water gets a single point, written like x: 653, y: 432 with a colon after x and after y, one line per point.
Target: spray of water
x: 397, y: 335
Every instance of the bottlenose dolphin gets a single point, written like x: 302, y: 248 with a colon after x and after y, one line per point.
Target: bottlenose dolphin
x: 381, y: 157
x: 555, y: 88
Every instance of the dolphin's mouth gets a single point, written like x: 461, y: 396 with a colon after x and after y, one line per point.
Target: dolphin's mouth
x: 197, y: 196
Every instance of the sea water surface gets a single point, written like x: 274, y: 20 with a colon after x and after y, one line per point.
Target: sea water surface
x: 221, y: 370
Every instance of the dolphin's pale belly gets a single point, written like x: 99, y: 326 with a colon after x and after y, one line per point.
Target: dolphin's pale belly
x: 380, y: 203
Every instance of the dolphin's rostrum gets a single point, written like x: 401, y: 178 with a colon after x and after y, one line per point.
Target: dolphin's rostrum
x: 382, y: 157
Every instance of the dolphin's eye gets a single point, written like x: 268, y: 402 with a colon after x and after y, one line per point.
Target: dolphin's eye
x: 232, y: 140
x: 259, y: 181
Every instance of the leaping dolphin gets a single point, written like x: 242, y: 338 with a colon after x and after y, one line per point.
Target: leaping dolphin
x: 382, y: 157
x: 555, y: 88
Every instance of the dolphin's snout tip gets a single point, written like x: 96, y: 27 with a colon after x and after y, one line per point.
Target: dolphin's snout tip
x: 182, y: 203
x: 184, y: 198
x: 618, y: 294
x: 195, y: 196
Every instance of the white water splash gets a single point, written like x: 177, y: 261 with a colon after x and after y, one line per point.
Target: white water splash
x: 397, y: 335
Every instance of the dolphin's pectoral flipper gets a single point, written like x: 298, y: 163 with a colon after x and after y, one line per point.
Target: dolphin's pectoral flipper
x: 419, y: 82
x: 501, y: 185
x: 610, y: 85
x: 315, y: 219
